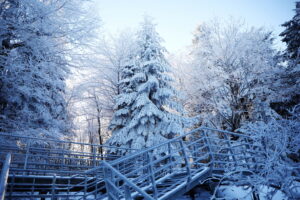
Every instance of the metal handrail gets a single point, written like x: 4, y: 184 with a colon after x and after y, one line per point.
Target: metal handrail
x: 142, y: 173
x: 172, y: 140
x: 61, y: 141
x: 127, y: 181
x: 4, y: 176
x: 186, y: 154
x: 163, y: 165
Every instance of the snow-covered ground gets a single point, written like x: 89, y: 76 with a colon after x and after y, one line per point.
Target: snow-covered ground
x: 201, y: 194
x: 236, y: 193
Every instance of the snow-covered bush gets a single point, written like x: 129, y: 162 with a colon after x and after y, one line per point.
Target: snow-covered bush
x: 276, y: 162
x: 230, y: 76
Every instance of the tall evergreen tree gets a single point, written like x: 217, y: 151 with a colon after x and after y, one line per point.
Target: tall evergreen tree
x: 291, y: 36
x: 129, y: 80
x: 146, y: 109
x: 288, y: 86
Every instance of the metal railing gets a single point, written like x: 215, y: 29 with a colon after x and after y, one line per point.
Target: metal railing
x: 4, y: 176
x: 158, y: 172
x: 52, y: 168
x: 36, y: 156
x: 177, y: 165
x: 161, y: 170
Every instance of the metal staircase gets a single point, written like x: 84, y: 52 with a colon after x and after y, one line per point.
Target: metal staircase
x: 173, y: 168
x: 67, y: 170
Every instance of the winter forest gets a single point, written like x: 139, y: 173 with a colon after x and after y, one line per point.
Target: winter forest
x: 73, y: 96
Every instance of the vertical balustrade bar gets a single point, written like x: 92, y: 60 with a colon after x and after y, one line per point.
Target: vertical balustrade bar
x: 194, y: 154
x: 253, y: 159
x: 53, y: 188
x: 127, y: 193
x: 170, y: 156
x: 33, y: 186
x: 85, y: 186
x: 27, y: 154
x: 245, y: 155
x: 230, y: 149
x: 107, y: 186
x: 187, y: 164
x: 68, y: 191
x: 12, y: 184
x: 212, y: 158
x: 94, y: 156
x: 63, y: 157
x: 152, y: 177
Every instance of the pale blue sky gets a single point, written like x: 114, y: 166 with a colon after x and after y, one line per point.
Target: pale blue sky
x: 177, y: 19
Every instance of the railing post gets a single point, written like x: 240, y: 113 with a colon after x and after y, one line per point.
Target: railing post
x: 112, y: 186
x: 68, y: 190
x: 151, y: 170
x: 170, y: 155
x: 127, y: 193
x: 85, y: 186
x: 27, y: 153
x: 252, y: 158
x: 12, y: 185
x: 209, y: 149
x: 230, y: 149
x: 4, y: 175
x: 94, y: 156
x: 62, y: 157
x: 194, y: 154
x: 96, y: 182
x: 107, y: 177
x: 187, y: 164
x: 53, y: 188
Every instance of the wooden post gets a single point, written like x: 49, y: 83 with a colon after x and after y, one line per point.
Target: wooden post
x: 4, y: 175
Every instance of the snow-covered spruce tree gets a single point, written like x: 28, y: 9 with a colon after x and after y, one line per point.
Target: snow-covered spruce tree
x: 130, y: 79
x: 146, y: 112
x: 288, y: 85
x: 35, y: 39
x: 291, y: 36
